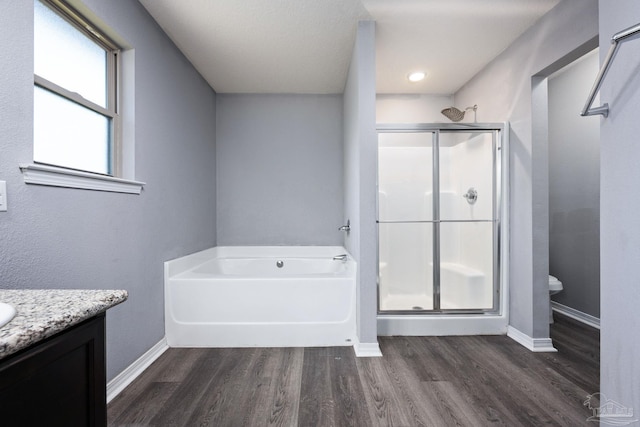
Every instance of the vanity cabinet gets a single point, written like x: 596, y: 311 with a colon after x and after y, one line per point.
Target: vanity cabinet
x: 59, y: 381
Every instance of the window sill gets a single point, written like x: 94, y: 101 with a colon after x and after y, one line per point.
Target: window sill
x: 59, y: 177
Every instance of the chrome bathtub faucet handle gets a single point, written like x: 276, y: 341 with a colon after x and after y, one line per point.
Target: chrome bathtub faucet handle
x: 342, y: 257
x: 347, y: 227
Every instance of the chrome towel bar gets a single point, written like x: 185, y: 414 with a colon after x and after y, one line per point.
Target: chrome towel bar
x: 617, y: 38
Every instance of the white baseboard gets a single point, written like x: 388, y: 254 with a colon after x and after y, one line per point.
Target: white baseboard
x: 126, y: 377
x: 367, y: 349
x: 578, y: 315
x: 533, y: 344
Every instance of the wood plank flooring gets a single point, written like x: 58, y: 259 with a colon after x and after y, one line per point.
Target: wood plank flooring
x: 420, y: 381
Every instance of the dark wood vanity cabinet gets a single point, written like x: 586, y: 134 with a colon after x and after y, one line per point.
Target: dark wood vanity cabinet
x: 60, y: 381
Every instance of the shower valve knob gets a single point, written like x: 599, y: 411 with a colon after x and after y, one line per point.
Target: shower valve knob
x: 471, y: 195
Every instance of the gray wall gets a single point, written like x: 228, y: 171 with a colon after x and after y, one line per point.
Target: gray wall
x: 619, y: 207
x: 68, y: 238
x: 574, y: 187
x: 360, y: 166
x: 412, y: 108
x: 279, y: 165
x: 503, y: 92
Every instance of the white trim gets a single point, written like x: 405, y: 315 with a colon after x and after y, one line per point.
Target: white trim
x: 68, y: 178
x: 367, y: 349
x: 578, y: 315
x: 126, y: 377
x: 534, y: 344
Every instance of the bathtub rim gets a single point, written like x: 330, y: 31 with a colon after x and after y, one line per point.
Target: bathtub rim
x: 187, y: 262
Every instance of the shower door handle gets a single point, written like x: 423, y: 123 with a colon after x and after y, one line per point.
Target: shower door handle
x: 471, y: 195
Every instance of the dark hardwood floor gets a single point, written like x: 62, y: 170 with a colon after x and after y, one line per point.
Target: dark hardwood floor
x: 420, y: 381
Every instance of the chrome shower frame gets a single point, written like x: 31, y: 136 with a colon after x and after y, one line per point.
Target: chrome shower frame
x: 500, y: 133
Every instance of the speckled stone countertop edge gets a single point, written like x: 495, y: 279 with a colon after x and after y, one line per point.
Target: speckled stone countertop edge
x: 42, y: 313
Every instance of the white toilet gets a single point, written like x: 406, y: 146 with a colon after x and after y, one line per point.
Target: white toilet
x: 555, y: 286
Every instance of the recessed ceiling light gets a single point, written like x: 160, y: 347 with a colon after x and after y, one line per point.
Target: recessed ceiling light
x: 416, y: 76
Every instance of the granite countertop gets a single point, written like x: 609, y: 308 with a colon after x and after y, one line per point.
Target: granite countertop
x: 41, y: 313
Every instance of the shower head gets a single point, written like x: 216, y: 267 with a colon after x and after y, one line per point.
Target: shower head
x: 455, y: 115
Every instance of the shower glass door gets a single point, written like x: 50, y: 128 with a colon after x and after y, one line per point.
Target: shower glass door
x: 467, y: 181
x: 438, y: 253
x: 405, y: 213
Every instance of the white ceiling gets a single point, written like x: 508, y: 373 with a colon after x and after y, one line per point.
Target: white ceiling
x: 305, y: 46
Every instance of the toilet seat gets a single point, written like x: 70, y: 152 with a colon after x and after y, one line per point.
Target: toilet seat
x: 555, y: 285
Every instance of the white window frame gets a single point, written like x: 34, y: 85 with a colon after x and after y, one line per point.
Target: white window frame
x: 60, y: 176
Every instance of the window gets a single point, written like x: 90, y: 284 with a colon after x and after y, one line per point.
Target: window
x: 76, y: 122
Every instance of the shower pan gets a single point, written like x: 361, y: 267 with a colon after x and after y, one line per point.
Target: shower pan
x: 440, y: 220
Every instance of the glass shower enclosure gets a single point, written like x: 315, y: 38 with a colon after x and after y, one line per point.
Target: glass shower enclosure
x: 439, y: 199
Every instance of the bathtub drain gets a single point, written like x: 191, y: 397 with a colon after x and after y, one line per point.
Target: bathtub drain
x: 417, y: 307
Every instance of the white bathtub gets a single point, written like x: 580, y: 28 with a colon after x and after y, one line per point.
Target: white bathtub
x: 239, y: 297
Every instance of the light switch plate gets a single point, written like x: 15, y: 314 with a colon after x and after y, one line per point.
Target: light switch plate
x: 3, y: 196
